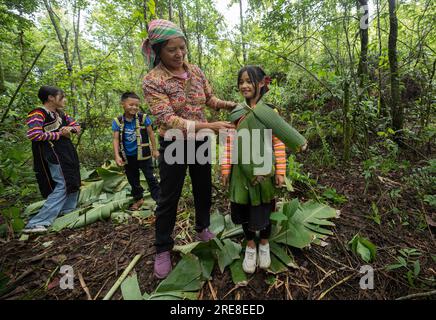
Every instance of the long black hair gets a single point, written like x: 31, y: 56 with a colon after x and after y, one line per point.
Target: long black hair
x: 46, y: 91
x: 256, y: 75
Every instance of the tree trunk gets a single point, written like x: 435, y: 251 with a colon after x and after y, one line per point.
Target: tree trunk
x: 198, y: 34
x: 64, y: 45
x: 183, y: 27
x: 346, y: 122
x: 244, y: 50
x: 362, y: 70
x: 2, y: 78
x: 170, y: 10
x: 396, y: 107
x: 381, y: 101
x: 76, y: 28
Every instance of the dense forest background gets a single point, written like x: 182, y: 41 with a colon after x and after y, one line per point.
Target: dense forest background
x: 355, y: 77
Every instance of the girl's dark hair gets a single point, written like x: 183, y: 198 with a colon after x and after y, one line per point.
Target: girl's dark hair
x: 256, y: 75
x: 157, y: 48
x: 46, y: 91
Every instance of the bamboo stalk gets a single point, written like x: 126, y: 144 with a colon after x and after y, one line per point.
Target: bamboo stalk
x: 418, y: 295
x: 84, y: 286
x: 122, y: 277
x: 331, y: 288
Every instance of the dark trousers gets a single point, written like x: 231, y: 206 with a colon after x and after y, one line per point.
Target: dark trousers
x: 132, y: 167
x: 250, y: 235
x: 172, y: 177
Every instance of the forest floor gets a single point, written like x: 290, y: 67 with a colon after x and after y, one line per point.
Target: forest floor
x: 99, y: 253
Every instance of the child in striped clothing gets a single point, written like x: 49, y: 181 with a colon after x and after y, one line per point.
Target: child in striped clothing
x: 252, y: 196
x: 55, y: 160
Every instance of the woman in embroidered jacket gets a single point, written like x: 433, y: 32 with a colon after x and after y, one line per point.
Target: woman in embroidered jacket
x: 177, y: 92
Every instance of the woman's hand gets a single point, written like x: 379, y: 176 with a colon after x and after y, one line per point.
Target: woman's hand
x: 221, y: 125
x: 280, y: 180
x: 231, y: 104
x: 303, y: 148
x: 155, y: 154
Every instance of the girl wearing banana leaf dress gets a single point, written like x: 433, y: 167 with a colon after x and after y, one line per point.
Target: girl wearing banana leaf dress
x: 251, y: 187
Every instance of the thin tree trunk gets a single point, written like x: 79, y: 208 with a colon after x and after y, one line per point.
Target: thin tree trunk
x: 21, y: 84
x: 362, y: 70
x: 396, y: 107
x: 170, y: 10
x: 244, y: 50
x: 346, y: 122
x: 76, y: 28
x: 2, y: 77
x: 183, y: 27
x: 381, y: 101
x: 198, y: 34
x: 64, y: 45
x: 22, y: 59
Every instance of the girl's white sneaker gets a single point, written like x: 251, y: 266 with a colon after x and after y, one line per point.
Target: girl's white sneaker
x: 249, y: 263
x: 264, y: 256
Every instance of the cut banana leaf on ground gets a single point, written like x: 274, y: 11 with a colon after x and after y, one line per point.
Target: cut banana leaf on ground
x: 230, y: 229
x: 216, y: 223
x: 171, y: 295
x: 283, y: 254
x: 207, y: 260
x: 33, y: 208
x: 86, y: 216
x: 228, y: 253
x: 277, y: 266
x: 239, y: 277
x: 205, y: 251
x: 66, y: 220
x: 130, y: 288
x: 90, y: 191
x: 305, y: 224
x: 186, y: 276
x: 111, y: 179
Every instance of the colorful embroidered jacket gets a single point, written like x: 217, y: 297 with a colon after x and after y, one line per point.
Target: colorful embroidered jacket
x: 142, y: 138
x: 49, y: 145
x: 176, y: 102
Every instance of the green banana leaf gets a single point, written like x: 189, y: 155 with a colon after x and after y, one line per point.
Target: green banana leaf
x: 216, y: 223
x: 305, y: 224
x: 90, y: 191
x: 172, y: 295
x: 111, y: 179
x: 184, y: 277
x: 33, y: 208
x: 130, y: 288
x: 277, y: 266
x: 239, y: 277
x: 282, y: 254
x: 228, y: 253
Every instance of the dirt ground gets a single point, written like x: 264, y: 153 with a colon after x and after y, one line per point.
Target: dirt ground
x: 99, y: 253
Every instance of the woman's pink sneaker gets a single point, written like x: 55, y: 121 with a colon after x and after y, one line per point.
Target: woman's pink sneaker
x: 162, y: 265
x: 205, y: 235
